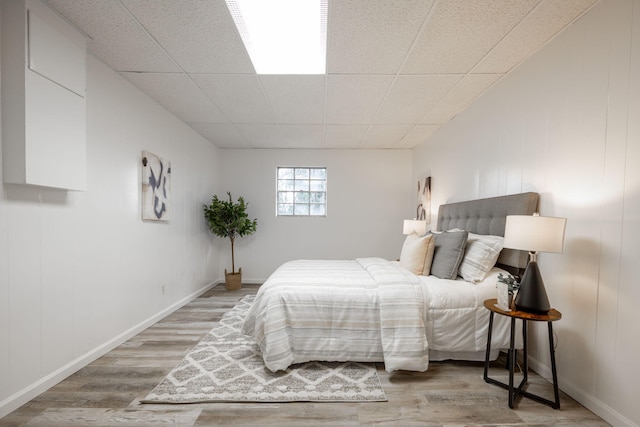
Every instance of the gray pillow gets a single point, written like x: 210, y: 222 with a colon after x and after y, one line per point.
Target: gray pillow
x: 448, y: 254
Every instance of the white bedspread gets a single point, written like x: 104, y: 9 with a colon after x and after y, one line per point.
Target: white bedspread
x: 365, y: 310
x: 371, y: 310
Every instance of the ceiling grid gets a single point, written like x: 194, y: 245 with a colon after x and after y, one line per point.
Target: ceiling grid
x: 397, y: 70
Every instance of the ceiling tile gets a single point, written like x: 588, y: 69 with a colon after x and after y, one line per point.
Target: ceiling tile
x: 222, y: 135
x: 295, y: 99
x: 461, y: 32
x: 200, y: 35
x: 412, y: 97
x: 384, y: 136
x: 262, y: 136
x: 417, y: 135
x: 343, y: 136
x: 372, y: 36
x: 115, y: 36
x: 302, y: 136
x: 534, y: 31
x: 178, y: 94
x: 238, y: 96
x: 459, y: 97
x: 354, y: 99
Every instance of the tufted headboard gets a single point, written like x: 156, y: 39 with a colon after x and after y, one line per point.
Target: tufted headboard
x: 488, y: 216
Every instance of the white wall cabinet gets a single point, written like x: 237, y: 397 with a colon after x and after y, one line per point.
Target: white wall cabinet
x: 43, y: 99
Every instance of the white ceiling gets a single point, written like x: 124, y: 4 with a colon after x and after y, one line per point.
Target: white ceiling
x: 397, y: 70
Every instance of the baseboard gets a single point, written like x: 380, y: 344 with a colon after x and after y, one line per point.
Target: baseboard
x: 253, y: 281
x: 18, y: 399
x: 587, y: 400
x: 244, y: 281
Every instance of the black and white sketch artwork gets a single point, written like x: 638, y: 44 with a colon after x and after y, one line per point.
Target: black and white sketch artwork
x: 156, y: 187
x: 423, y: 212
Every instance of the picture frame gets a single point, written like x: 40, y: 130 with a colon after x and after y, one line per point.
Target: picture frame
x: 156, y: 187
x: 423, y: 211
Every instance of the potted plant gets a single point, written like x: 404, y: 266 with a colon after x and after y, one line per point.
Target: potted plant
x: 227, y: 218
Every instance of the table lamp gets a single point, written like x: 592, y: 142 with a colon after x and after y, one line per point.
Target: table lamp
x: 533, y: 233
x: 414, y: 226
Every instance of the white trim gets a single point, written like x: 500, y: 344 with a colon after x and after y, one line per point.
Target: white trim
x: 23, y: 396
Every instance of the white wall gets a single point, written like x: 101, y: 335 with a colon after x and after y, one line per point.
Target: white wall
x: 369, y: 193
x: 80, y: 271
x: 567, y: 125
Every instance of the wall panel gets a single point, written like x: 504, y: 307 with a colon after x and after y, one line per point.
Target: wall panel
x: 369, y: 194
x: 83, y: 271
x: 627, y: 345
x: 566, y: 123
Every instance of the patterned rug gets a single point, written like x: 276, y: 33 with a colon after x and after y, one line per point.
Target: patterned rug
x: 227, y: 366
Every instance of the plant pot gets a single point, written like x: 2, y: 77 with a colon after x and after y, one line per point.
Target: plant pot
x: 233, y: 281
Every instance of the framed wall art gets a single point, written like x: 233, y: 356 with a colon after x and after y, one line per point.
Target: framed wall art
x: 156, y: 187
x: 423, y: 211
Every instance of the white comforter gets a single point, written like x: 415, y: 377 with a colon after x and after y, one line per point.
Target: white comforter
x: 367, y: 310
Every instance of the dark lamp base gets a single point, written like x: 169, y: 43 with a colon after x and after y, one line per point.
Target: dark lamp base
x: 532, y: 296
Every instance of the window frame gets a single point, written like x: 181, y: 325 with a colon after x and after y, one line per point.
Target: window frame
x: 308, y: 180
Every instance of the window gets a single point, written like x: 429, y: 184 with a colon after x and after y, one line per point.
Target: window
x: 301, y: 191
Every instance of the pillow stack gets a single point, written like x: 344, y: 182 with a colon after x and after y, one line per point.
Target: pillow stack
x: 451, y: 253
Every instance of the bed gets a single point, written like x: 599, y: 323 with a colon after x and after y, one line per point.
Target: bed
x: 404, y: 313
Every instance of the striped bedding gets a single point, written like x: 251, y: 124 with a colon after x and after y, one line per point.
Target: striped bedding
x: 367, y: 310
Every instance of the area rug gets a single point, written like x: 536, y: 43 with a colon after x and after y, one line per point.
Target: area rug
x: 226, y: 366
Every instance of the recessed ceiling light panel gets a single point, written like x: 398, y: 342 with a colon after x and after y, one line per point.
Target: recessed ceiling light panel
x: 283, y: 36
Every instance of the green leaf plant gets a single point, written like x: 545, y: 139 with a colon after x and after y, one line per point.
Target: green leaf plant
x: 511, y: 282
x: 227, y: 218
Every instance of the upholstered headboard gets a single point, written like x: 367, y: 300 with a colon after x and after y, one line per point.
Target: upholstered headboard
x: 488, y: 216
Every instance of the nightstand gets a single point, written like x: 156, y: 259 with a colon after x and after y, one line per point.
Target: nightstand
x: 515, y: 392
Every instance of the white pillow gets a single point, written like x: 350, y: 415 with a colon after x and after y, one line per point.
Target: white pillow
x: 480, y: 256
x: 414, y: 253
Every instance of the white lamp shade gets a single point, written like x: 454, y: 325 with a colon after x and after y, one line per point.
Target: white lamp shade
x: 534, y: 233
x: 414, y: 226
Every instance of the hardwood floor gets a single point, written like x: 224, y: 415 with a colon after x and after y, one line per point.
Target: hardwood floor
x: 106, y: 392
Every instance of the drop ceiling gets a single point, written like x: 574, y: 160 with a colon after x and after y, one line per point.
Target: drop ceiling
x: 396, y: 70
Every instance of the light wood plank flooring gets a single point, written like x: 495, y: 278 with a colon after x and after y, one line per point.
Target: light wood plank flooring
x: 106, y: 392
